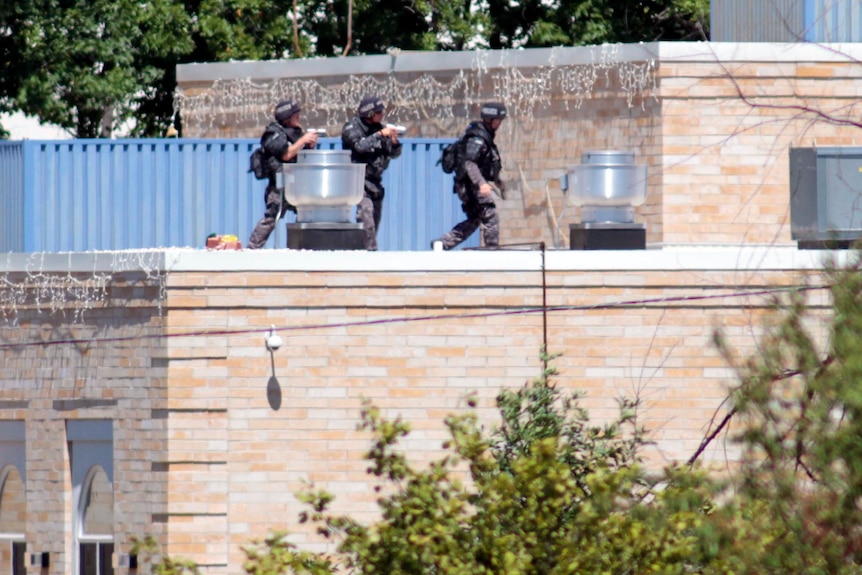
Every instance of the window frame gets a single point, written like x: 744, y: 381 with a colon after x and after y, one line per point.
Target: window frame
x: 91, y: 448
x: 13, y: 456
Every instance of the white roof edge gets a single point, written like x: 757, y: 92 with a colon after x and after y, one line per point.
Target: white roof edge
x: 738, y: 258
x: 409, y: 61
x: 83, y: 262
x: 758, y: 52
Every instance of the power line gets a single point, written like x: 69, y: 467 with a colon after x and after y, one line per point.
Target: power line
x: 409, y: 319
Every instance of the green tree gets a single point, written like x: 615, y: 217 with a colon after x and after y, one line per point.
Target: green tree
x: 245, y: 29
x: 376, y: 26
x: 798, y: 409
x: 165, y: 39
x: 91, y: 65
x: 13, y: 15
x: 532, y: 23
x: 540, y: 411
x: 457, y: 25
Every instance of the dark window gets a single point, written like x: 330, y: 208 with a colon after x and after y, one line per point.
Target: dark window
x: 89, y: 561
x: 106, y: 553
x: 19, y: 553
x: 96, y: 558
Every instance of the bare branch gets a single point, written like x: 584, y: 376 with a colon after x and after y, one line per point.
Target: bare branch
x: 787, y: 374
x: 349, y: 28
x: 296, y: 45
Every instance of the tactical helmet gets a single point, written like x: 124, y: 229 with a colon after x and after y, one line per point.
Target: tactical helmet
x: 284, y: 110
x: 493, y: 111
x: 369, y: 106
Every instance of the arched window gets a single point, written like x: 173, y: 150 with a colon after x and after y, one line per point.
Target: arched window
x: 95, y: 529
x: 13, y: 497
x: 13, y: 517
x: 91, y: 454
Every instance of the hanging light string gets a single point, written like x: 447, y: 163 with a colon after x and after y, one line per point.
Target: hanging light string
x: 74, y: 293
x: 229, y: 102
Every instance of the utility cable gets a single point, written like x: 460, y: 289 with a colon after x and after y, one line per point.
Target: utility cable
x: 450, y: 316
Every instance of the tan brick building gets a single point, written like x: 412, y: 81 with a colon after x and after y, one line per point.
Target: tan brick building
x: 136, y: 390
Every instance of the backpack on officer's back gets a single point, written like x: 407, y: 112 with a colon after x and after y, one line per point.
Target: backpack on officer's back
x: 450, y: 157
x: 257, y: 164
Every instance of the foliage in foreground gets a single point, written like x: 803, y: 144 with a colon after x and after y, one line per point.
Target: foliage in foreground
x: 148, y: 551
x: 799, y: 410
x: 546, y: 492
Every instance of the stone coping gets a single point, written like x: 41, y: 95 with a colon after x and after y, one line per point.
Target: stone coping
x: 666, y: 258
x: 418, y: 62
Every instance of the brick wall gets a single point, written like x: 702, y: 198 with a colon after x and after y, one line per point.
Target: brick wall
x: 252, y: 428
x: 214, y: 436
x: 48, y: 385
x: 727, y: 127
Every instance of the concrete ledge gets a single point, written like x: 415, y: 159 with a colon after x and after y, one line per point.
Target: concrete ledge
x: 404, y: 61
x: 677, y: 258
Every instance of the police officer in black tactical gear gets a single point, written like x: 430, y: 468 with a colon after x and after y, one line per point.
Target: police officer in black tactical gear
x: 477, y: 178
x: 373, y: 144
x: 281, y: 142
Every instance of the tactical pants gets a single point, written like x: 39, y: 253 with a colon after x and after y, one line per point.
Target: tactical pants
x: 480, y: 211
x: 368, y: 213
x: 272, y: 197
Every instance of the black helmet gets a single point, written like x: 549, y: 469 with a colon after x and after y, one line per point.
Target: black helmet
x: 369, y: 106
x: 285, y: 110
x: 493, y: 111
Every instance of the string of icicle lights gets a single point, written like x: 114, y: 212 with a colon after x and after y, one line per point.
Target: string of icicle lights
x: 74, y: 293
x: 444, y: 98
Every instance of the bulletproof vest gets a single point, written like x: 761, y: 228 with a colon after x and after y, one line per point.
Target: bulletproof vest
x: 377, y: 160
x: 277, y: 138
x: 486, y: 157
x: 275, y: 141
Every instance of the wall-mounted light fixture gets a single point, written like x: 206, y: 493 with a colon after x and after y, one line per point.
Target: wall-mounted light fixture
x: 128, y: 560
x: 273, y: 340
x: 42, y: 559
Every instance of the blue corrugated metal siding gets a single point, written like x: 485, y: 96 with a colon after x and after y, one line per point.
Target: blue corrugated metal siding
x: 86, y: 195
x: 786, y: 20
x: 833, y: 20
x: 755, y: 20
x: 11, y: 196
x: 419, y: 204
